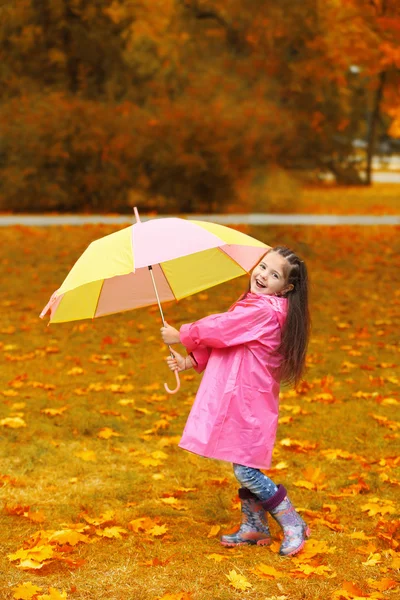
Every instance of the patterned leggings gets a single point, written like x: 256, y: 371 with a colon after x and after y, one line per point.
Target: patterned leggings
x: 255, y: 481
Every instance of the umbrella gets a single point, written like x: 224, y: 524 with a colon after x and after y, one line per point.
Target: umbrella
x: 150, y: 262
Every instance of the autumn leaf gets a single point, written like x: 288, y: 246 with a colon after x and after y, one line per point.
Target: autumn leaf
x: 13, y: 422
x: 105, y: 517
x: 68, y: 536
x: 158, y: 530
x: 37, y: 554
x: 215, y: 529
x: 216, y: 557
x: 26, y: 591
x: 382, y: 585
x: 376, y: 506
x: 86, y: 455
x: 53, y: 595
x: 267, y: 572
x: 54, y: 412
x: 372, y: 560
x: 297, y: 445
x: 106, y: 433
x: 111, y: 532
x: 239, y: 582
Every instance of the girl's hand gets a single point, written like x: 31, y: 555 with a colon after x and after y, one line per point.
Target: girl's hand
x: 177, y: 362
x: 169, y: 334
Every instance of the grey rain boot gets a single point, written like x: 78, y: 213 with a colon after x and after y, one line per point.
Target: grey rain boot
x: 254, y: 527
x: 295, y: 530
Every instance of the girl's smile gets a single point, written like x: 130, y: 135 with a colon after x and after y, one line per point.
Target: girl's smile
x: 269, y: 276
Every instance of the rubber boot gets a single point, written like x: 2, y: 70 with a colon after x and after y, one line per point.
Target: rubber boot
x: 295, y: 530
x: 254, y: 527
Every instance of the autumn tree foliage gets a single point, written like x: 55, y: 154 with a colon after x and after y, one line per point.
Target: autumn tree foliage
x: 178, y: 104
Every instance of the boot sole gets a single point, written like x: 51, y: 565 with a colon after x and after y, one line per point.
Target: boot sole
x: 307, y: 534
x: 265, y: 542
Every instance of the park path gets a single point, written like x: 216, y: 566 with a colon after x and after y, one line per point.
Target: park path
x: 238, y: 219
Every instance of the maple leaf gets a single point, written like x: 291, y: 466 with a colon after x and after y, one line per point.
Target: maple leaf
x: 239, y: 582
x: 216, y: 557
x: 53, y: 595
x: 308, y: 569
x: 105, y: 517
x: 25, y: 591
x: 374, y: 508
x: 37, y: 554
x: 150, y: 462
x: 372, y: 560
x: 382, y: 585
x: 267, y: 572
x: 215, y: 529
x: 141, y: 524
x: 68, y: 536
x: 86, y: 455
x: 106, y: 433
x: 158, y: 530
x: 54, y: 412
x: 28, y: 563
x: 297, y: 445
x: 111, y: 532
x: 13, y: 422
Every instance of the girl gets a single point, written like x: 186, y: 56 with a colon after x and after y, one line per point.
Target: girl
x: 246, y: 352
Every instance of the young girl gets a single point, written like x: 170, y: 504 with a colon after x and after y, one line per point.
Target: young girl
x: 260, y: 341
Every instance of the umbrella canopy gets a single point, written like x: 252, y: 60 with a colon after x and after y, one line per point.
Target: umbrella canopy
x: 186, y: 257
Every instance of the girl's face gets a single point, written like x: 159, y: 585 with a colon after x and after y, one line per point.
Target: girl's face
x: 269, y: 276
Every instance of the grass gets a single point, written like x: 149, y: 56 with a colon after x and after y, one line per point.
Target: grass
x: 109, y: 373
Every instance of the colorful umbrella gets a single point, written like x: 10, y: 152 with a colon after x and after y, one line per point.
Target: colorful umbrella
x: 152, y: 261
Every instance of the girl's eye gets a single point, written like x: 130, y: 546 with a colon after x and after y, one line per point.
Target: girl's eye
x: 276, y: 276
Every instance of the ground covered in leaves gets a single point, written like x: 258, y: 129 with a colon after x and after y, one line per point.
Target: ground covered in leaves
x: 98, y: 502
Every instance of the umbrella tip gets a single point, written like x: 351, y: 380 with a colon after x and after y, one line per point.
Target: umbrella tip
x: 136, y: 212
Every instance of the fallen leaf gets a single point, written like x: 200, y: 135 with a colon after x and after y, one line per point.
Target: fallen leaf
x: 239, y: 582
x: 25, y: 591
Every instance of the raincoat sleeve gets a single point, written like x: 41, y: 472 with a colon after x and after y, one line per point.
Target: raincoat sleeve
x: 201, y: 355
x: 245, y: 323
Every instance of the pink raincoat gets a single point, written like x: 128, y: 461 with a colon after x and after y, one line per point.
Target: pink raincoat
x: 235, y: 413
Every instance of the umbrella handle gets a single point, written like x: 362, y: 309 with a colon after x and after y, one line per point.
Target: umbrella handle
x: 178, y: 384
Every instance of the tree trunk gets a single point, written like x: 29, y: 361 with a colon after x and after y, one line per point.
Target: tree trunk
x: 373, y: 123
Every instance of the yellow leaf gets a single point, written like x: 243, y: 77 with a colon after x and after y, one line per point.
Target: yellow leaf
x: 106, y: 433
x: 214, y: 531
x: 13, y: 422
x: 304, y: 484
x: 372, y: 560
x: 28, y: 563
x: 150, y: 462
x: 53, y: 595
x: 37, y: 553
x: 239, y: 582
x: 68, y: 536
x: 267, y: 572
x: 216, y: 557
x: 159, y: 454
x: 105, y: 517
x: 373, y: 508
x: 158, y: 530
x: 75, y: 371
x: 142, y: 524
x: 382, y: 585
x: 126, y: 402
x: 87, y: 455
x: 25, y: 591
x: 53, y: 412
x: 111, y: 532
x: 359, y: 535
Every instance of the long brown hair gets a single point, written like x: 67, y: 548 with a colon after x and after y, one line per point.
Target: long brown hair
x: 296, y: 331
